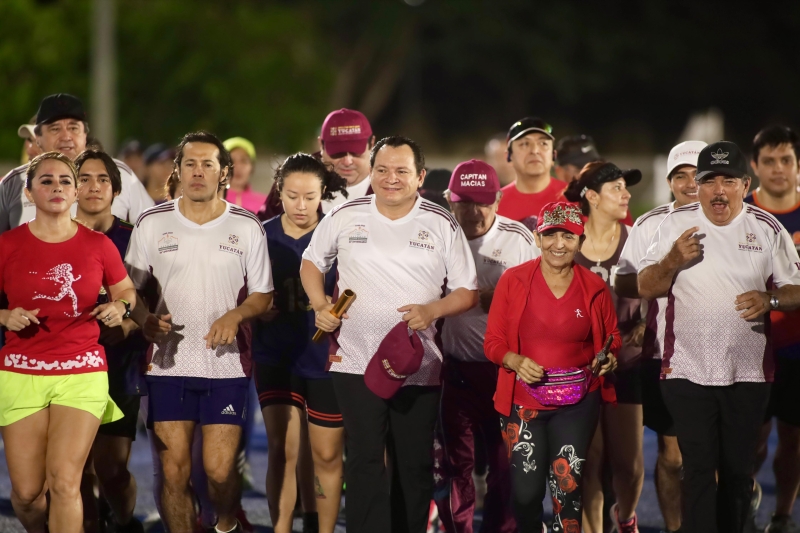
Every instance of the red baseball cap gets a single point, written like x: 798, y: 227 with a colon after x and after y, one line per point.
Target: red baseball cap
x: 399, y: 355
x: 474, y: 181
x: 345, y: 130
x: 561, y: 215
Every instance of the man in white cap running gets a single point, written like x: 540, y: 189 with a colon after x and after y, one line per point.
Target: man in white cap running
x: 681, y: 170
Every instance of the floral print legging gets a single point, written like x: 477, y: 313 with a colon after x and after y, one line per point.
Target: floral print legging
x: 548, y: 449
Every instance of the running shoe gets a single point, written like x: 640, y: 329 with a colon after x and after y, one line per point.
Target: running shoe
x: 782, y: 524
x: 618, y: 527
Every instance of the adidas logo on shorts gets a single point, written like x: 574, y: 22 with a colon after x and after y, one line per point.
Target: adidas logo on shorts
x: 228, y: 410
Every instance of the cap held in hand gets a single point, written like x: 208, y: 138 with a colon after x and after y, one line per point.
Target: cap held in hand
x: 399, y: 355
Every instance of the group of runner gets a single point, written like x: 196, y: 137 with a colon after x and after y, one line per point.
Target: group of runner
x: 531, y: 327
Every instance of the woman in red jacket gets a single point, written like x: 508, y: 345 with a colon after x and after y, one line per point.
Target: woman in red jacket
x: 549, y: 318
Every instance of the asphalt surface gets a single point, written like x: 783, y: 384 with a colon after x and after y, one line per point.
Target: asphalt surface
x: 255, y: 503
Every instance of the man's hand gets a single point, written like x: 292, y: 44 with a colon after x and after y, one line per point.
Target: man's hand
x: 224, y: 329
x: 325, y: 320
x: 485, y: 298
x: 753, y: 304
x: 156, y: 327
x: 526, y: 369
x: 18, y: 319
x: 418, y: 316
x: 635, y: 337
x: 686, y: 248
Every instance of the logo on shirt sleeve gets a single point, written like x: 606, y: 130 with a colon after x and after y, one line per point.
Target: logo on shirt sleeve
x: 751, y: 245
x: 359, y: 234
x: 423, y: 241
x: 167, y: 243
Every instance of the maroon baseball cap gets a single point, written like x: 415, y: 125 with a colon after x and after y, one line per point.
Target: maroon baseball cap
x: 474, y: 181
x: 345, y: 130
x: 399, y: 355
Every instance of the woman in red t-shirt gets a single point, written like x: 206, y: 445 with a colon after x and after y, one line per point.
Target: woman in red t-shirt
x: 53, y: 382
x: 550, y: 317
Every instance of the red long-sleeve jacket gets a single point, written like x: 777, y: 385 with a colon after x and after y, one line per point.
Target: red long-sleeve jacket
x: 508, y: 305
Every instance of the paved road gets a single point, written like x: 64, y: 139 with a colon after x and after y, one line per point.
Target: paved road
x: 256, y: 506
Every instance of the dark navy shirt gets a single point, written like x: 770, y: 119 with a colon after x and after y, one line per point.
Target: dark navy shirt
x: 125, y: 359
x: 286, y: 340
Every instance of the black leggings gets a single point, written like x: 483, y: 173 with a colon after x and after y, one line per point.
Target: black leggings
x: 548, y: 448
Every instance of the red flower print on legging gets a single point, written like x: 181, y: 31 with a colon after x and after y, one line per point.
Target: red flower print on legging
x: 511, y: 437
x: 563, y: 483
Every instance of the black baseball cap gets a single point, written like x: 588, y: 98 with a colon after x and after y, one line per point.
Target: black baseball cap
x: 606, y: 173
x: 528, y: 125
x: 576, y: 150
x: 58, y: 106
x: 721, y: 157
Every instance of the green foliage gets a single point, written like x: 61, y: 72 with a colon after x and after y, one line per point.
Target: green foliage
x: 250, y: 68
x: 254, y: 69
x: 40, y: 53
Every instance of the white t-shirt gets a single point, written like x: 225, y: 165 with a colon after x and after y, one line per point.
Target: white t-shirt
x: 201, y: 273
x: 355, y: 191
x: 507, y: 243
x: 133, y: 198
x: 389, y: 264
x: 639, y: 237
x: 705, y: 340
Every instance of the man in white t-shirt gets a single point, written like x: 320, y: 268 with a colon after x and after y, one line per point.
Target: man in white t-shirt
x: 398, y: 253
x: 209, y: 263
x: 61, y: 125
x: 722, y: 266
x: 345, y: 142
x: 681, y: 170
x: 467, y: 410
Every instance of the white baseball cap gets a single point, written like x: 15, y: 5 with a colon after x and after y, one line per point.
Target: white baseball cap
x: 26, y: 131
x: 684, y: 153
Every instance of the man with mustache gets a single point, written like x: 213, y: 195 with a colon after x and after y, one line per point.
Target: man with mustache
x: 723, y: 266
x: 681, y: 170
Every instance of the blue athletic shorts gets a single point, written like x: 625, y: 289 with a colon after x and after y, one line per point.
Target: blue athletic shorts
x: 201, y: 400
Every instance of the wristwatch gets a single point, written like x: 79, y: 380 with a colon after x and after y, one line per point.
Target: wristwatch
x: 127, y: 305
x: 773, y: 302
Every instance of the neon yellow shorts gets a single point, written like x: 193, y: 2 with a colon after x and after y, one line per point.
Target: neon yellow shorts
x: 22, y: 395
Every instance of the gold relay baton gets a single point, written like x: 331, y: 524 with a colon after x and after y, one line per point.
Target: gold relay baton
x: 339, y: 308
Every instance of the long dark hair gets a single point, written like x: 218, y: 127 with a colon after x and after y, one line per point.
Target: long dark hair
x: 302, y: 162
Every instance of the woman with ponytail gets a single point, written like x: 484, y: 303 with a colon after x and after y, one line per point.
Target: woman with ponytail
x: 602, y: 191
x: 303, y: 421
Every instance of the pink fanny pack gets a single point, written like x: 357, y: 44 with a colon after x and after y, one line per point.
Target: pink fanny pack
x: 560, y: 386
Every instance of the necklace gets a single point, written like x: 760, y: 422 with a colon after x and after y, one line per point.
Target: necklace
x: 605, y: 251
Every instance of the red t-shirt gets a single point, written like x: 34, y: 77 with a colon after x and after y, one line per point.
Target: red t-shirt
x: 524, y: 207
x: 62, y: 280
x: 557, y: 333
